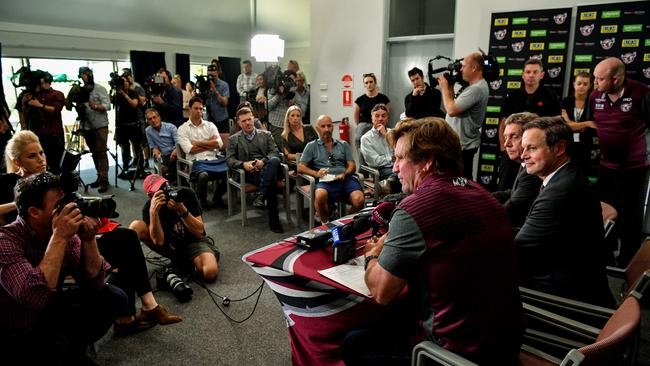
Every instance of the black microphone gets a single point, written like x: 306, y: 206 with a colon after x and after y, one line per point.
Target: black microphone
x: 358, y: 226
x: 381, y: 216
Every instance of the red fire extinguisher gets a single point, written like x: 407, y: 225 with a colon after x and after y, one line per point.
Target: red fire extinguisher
x: 344, y: 130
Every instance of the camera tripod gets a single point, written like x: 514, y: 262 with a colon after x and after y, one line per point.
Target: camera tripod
x: 75, y: 145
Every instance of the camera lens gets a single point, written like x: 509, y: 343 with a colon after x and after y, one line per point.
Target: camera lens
x: 180, y: 289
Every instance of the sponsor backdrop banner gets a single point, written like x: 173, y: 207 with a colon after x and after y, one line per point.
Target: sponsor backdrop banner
x: 613, y: 30
x: 514, y: 38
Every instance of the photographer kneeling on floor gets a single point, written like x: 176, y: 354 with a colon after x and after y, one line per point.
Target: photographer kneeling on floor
x: 172, y: 226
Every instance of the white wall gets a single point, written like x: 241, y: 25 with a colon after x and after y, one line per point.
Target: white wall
x: 346, y: 37
x: 472, y: 12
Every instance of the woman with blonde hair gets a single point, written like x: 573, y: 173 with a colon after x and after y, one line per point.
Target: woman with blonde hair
x: 295, y: 135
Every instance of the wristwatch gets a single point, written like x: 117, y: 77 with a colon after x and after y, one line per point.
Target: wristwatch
x: 368, y: 259
x: 185, y: 214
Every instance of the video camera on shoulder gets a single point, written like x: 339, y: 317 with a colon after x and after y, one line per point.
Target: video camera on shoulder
x: 154, y: 85
x: 453, y: 74
x: 275, y: 78
x: 28, y: 79
x: 116, y: 81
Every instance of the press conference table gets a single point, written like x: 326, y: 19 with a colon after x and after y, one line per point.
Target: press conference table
x: 319, y: 311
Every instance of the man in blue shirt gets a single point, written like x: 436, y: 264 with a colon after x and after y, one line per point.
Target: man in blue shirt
x: 162, y: 138
x: 217, y: 101
x: 332, y: 162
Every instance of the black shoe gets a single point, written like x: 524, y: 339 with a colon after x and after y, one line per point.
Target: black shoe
x: 124, y: 175
x: 94, y: 184
x: 275, y: 225
x: 103, y: 187
x: 218, y: 203
x: 259, y: 202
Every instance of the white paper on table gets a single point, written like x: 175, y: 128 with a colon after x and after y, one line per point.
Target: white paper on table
x: 350, y: 275
x: 327, y: 178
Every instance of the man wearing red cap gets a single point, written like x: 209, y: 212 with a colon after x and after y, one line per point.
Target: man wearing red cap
x: 172, y: 226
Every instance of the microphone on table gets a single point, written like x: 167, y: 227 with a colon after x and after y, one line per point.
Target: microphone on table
x: 381, y: 216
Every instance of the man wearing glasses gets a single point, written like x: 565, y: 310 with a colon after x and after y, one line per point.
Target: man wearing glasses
x: 331, y: 161
x: 621, y: 109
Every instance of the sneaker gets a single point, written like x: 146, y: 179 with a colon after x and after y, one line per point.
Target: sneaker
x: 259, y: 202
x: 275, y: 225
x: 103, y: 187
x: 159, y: 315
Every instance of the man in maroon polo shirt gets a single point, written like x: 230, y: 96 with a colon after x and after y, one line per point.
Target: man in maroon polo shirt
x: 621, y: 108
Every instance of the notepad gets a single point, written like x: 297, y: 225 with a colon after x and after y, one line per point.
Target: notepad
x: 350, y: 275
x: 327, y: 178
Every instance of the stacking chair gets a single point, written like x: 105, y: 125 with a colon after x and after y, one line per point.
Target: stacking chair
x: 609, y: 347
x: 370, y: 179
x: 237, y: 182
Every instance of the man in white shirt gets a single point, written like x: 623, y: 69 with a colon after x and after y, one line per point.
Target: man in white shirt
x: 200, y: 140
x: 246, y: 81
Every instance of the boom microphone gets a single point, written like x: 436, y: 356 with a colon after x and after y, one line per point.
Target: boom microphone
x: 381, y: 216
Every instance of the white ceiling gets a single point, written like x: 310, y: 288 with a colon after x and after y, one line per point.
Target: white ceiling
x: 206, y: 20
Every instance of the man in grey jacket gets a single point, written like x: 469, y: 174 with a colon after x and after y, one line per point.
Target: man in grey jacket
x: 255, y: 151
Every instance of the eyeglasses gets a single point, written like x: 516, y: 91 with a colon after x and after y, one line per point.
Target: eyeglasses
x: 369, y: 75
x: 331, y: 159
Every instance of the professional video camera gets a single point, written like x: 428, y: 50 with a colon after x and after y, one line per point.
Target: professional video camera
x: 154, y: 85
x: 115, y: 81
x: 88, y: 205
x: 203, y: 86
x: 77, y: 96
x: 453, y: 74
x: 28, y: 79
x: 275, y: 78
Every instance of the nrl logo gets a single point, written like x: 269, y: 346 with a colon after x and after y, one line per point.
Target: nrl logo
x: 518, y: 46
x: 629, y: 57
x: 607, y: 43
x: 496, y: 84
x: 491, y: 132
x: 595, y: 154
x: 500, y: 34
x: 486, y: 179
x: 536, y: 57
x: 646, y: 72
x: 554, y: 72
x: 586, y: 30
x: 625, y: 107
x: 560, y: 18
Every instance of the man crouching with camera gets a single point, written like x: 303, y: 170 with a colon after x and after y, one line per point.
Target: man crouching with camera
x: 172, y: 226
x: 37, y: 251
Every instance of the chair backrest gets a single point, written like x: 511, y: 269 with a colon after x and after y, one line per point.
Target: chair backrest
x: 179, y: 151
x: 615, y: 337
x: 639, y: 264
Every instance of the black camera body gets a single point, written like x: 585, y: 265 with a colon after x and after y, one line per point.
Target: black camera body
x: 275, y: 78
x: 167, y: 279
x: 344, y: 250
x: 116, y: 81
x: 203, y: 86
x: 154, y: 85
x: 28, y: 79
x: 173, y: 193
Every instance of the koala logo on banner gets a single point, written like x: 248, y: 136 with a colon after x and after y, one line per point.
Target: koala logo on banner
x: 586, y: 30
x: 496, y: 84
x: 560, y: 18
x: 486, y: 179
x: 607, y: 43
x: 646, y: 72
x: 554, y: 72
x: 490, y: 133
x: 536, y: 57
x: 629, y: 57
x: 518, y: 46
x: 595, y: 154
x: 500, y: 34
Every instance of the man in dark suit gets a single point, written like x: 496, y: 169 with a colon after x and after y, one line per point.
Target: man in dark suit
x: 560, y: 248
x: 517, y: 201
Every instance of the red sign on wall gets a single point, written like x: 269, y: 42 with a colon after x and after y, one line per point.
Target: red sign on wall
x: 347, y: 81
x: 347, y: 98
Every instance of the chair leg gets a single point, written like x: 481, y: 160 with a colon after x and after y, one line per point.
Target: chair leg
x: 287, y: 204
x: 242, y: 194
x: 299, y: 207
x: 311, y: 213
x: 230, y: 198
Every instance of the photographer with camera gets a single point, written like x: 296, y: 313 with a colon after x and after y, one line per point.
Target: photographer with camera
x: 465, y: 112
x: 128, y: 133
x: 167, y: 99
x: 217, y: 99
x: 95, y: 126
x: 246, y: 81
x: 48, y: 241
x: 172, y: 226
x: 42, y: 111
x: 278, y: 103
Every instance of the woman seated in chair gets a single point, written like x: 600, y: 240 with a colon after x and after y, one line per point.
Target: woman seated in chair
x: 295, y: 135
x: 120, y: 246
